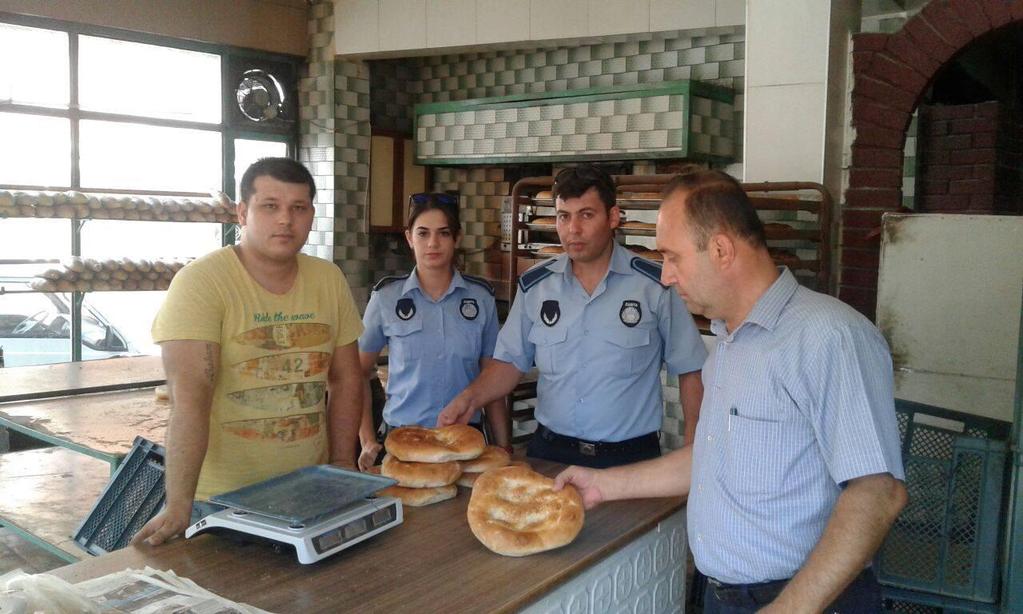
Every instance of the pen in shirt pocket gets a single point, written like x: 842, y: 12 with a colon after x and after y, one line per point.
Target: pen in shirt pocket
x: 731, y: 412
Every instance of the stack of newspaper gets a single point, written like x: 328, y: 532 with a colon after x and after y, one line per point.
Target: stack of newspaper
x: 147, y: 591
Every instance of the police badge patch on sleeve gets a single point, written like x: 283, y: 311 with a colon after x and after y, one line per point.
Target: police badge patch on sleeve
x: 550, y: 312
x: 631, y: 313
x: 469, y: 309
x: 405, y: 308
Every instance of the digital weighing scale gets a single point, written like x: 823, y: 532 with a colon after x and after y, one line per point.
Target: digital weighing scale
x: 319, y: 510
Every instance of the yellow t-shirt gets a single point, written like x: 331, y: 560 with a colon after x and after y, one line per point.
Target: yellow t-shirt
x: 268, y: 415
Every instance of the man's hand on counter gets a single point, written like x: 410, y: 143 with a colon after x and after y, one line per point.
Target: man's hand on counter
x: 586, y: 481
x: 368, y: 456
x: 169, y: 523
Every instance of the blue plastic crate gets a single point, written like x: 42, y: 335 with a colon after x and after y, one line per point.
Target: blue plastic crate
x: 946, y: 541
x: 134, y: 494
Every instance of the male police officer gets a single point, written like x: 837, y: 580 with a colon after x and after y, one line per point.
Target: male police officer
x: 598, y: 324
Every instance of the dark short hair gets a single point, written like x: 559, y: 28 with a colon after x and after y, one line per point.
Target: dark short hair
x: 575, y: 181
x: 716, y: 202
x: 281, y: 169
x: 445, y: 203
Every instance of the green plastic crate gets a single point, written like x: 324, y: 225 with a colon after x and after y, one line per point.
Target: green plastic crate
x: 946, y: 541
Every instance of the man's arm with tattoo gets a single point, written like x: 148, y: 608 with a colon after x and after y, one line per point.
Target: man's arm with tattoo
x: 191, y: 368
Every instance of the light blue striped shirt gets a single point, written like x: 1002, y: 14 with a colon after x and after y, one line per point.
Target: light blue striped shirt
x: 797, y: 401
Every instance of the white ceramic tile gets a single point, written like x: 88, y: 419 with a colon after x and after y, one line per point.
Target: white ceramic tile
x: 402, y: 24
x: 681, y: 14
x: 777, y: 52
x: 784, y: 133
x: 356, y: 26
x: 733, y: 12
x: 618, y: 16
x: 450, y: 23
x: 558, y: 19
x: 499, y: 21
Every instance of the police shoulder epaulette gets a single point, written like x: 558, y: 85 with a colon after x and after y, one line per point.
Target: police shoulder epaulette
x: 647, y: 269
x: 480, y: 282
x: 535, y: 275
x: 390, y: 279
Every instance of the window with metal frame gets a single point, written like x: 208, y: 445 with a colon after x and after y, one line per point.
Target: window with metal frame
x: 105, y: 111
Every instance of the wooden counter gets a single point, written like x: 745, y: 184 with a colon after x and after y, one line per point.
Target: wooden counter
x: 46, y: 493
x: 18, y: 383
x: 102, y: 425
x: 430, y: 563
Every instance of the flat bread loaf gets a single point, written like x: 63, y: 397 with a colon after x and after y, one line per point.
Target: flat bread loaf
x: 420, y: 475
x: 515, y: 511
x: 417, y: 444
x: 468, y: 478
x: 418, y: 497
x: 492, y: 458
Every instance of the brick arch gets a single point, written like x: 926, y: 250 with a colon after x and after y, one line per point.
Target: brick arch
x: 891, y: 73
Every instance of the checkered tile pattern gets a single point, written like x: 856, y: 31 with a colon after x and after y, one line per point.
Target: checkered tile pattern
x: 909, y: 164
x: 716, y: 56
x: 601, y: 128
x: 481, y: 191
x: 334, y: 135
x: 712, y: 123
x: 887, y: 16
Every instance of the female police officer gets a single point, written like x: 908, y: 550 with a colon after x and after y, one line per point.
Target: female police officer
x: 439, y: 325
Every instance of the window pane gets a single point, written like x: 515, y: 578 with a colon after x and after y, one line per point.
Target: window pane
x: 248, y: 151
x: 30, y: 238
x: 151, y: 240
x: 36, y: 150
x: 119, y: 323
x: 137, y: 79
x: 34, y: 69
x: 138, y: 157
x: 34, y: 328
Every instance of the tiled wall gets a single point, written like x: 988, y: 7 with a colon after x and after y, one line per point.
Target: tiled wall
x: 334, y: 136
x: 714, y: 55
x: 482, y: 190
x: 888, y: 15
x: 652, y: 126
x: 316, y: 125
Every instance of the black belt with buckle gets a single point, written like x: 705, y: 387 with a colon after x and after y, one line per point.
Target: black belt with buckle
x: 598, y: 448
x: 760, y: 593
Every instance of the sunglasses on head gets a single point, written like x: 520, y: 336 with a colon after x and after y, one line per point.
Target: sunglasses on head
x: 421, y: 198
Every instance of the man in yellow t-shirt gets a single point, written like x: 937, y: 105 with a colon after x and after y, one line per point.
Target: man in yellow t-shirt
x: 259, y: 348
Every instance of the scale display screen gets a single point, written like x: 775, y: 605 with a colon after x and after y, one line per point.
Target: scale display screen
x: 355, y: 529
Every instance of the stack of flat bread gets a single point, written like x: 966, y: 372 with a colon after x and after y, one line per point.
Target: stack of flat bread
x: 426, y: 462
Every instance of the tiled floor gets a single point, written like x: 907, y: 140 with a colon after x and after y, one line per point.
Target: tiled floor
x: 18, y: 553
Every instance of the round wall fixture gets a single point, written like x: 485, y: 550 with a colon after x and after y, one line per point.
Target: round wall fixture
x: 260, y: 95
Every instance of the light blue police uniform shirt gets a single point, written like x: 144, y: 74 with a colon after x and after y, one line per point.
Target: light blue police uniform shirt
x: 797, y: 401
x: 600, y: 355
x: 434, y: 347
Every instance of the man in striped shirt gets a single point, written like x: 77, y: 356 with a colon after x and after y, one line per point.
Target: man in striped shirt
x: 795, y: 476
